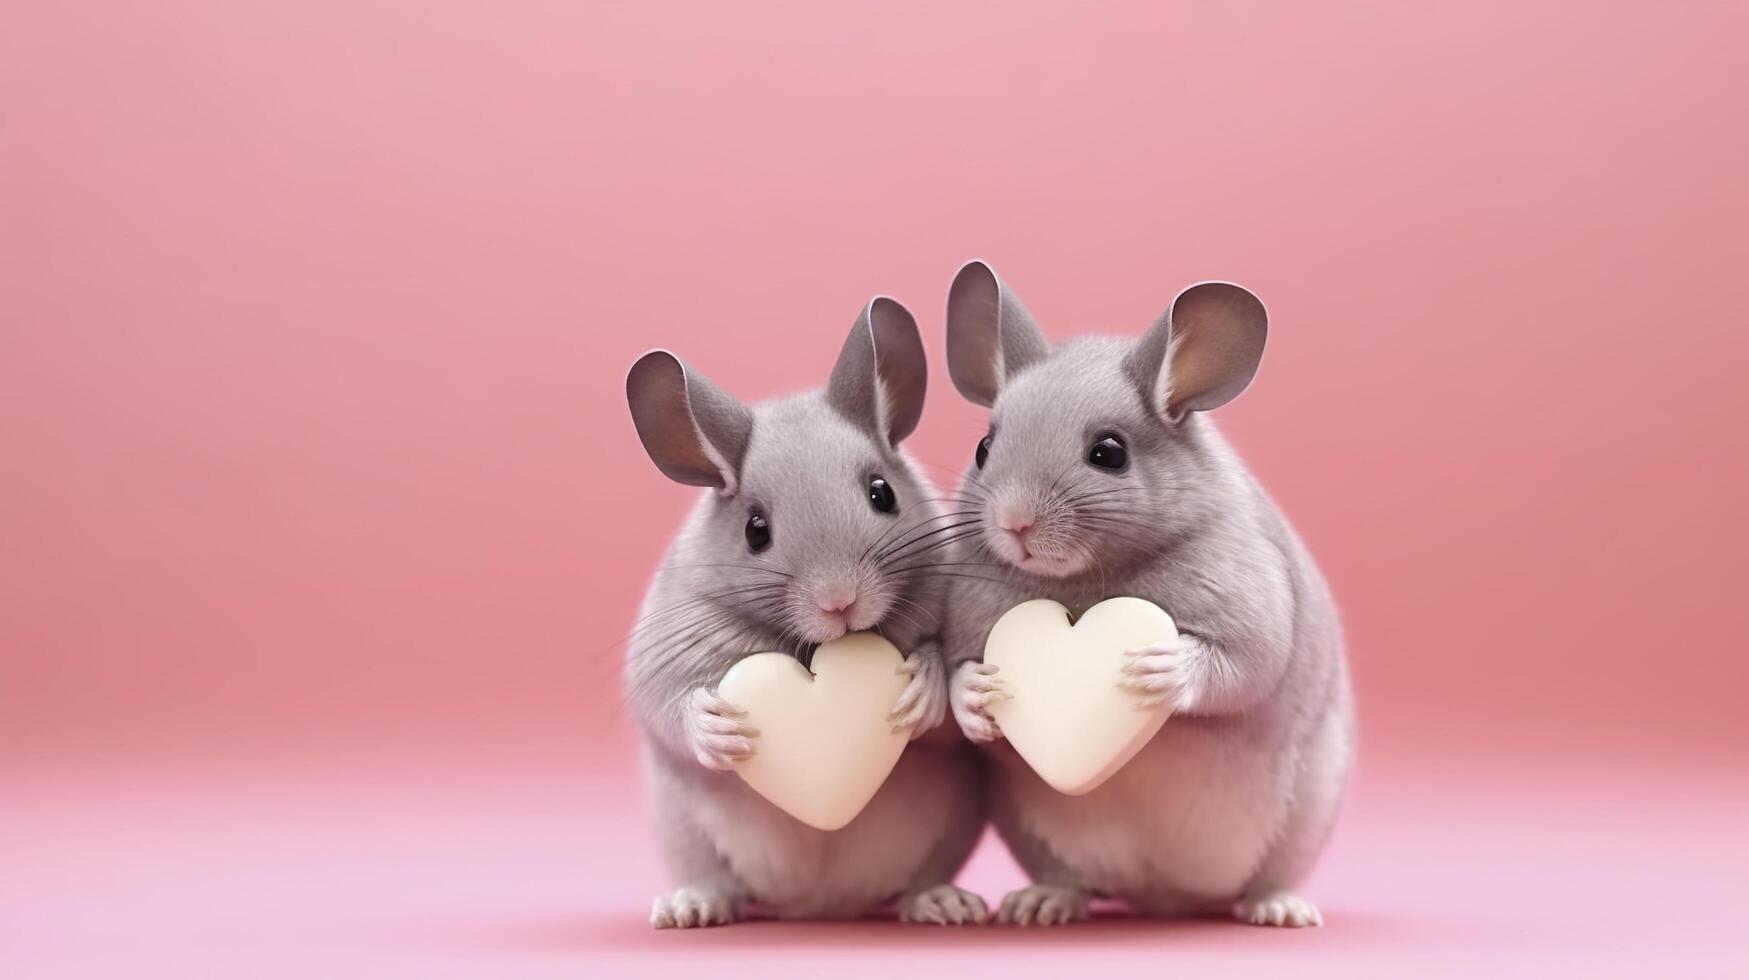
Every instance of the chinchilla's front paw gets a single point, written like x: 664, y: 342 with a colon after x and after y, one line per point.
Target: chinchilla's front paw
x: 717, y: 730
x: 923, y: 703
x: 1169, y: 672
x: 975, y: 687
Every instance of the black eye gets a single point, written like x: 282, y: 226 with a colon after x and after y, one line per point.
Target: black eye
x: 983, y: 453
x: 1108, y: 452
x: 880, y: 496
x: 758, y: 533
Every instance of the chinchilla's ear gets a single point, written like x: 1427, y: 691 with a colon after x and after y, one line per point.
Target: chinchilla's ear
x: 990, y: 336
x: 1202, y: 352
x: 694, y: 431
x: 881, y: 375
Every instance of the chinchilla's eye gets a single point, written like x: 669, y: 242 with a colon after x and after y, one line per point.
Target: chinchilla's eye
x: 880, y: 496
x: 1108, y: 452
x: 983, y: 454
x: 758, y: 533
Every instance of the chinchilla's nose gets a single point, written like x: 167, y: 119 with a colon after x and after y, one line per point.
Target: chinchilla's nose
x: 835, y: 597
x: 1016, y: 520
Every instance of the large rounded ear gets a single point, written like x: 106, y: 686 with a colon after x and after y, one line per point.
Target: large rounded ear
x: 695, y: 432
x: 990, y: 336
x: 881, y: 374
x: 1202, y: 352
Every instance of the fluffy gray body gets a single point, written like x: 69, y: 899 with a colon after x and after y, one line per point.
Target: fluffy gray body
x: 1228, y: 806
x: 829, y: 554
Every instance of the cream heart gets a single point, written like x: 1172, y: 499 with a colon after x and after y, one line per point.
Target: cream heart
x: 1068, y: 718
x: 825, y: 744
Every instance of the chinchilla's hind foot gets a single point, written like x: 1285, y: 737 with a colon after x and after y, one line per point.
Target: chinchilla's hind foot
x: 690, y: 908
x: 1278, y: 909
x: 944, y: 905
x: 1043, y: 905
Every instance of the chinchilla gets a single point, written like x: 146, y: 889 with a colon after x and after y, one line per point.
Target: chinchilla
x: 812, y: 523
x: 1100, y: 476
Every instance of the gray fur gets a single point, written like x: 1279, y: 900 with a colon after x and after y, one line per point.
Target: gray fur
x: 1229, y: 805
x: 804, y: 463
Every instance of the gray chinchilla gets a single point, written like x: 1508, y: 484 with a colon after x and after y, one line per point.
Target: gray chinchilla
x: 1100, y: 477
x: 814, y: 523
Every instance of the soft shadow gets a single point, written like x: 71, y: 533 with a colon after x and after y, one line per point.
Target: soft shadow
x: 1107, y: 930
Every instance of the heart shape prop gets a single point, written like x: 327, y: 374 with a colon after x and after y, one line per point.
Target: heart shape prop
x: 1068, y: 718
x: 825, y: 744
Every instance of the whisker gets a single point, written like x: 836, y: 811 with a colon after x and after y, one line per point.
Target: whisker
x: 675, y: 608
x: 973, y: 577
x: 939, y: 544
x: 950, y: 564
x: 892, y: 550
x: 934, y: 549
x: 744, y: 567
x: 1085, y: 495
x: 910, y: 620
x: 922, y: 523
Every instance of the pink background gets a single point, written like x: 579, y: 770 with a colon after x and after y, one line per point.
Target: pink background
x: 321, y: 516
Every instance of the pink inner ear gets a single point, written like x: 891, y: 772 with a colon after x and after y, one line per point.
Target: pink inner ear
x: 692, y: 430
x: 974, y: 356
x: 901, y: 372
x: 1218, y: 331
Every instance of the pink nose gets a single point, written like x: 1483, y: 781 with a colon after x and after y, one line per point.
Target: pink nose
x: 836, y: 598
x: 1015, y: 523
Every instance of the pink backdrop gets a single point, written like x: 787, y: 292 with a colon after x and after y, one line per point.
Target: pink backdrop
x: 318, y: 479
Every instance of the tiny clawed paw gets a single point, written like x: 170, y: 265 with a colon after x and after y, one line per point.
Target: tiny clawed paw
x: 980, y: 729
x: 977, y: 724
x: 723, y: 751
x: 1043, y: 905
x: 981, y: 687
x: 1160, y: 674
x: 975, y: 688
x: 944, y: 905
x: 923, y: 703
x: 690, y: 908
x: 706, y: 703
x: 983, y: 691
x: 1281, y: 909
x: 720, y: 735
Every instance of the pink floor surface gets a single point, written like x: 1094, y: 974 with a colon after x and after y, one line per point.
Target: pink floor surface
x: 427, y: 873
